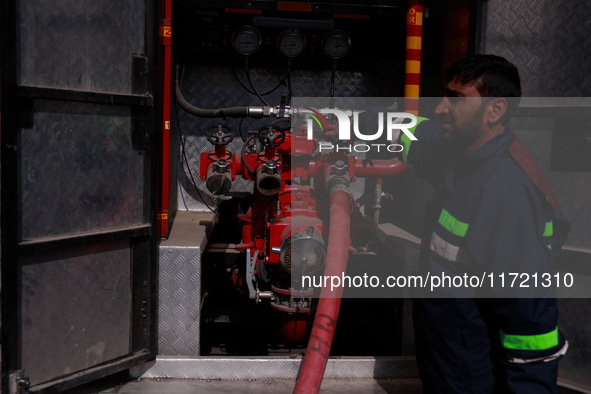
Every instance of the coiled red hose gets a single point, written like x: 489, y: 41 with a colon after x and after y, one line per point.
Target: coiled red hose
x: 327, y: 313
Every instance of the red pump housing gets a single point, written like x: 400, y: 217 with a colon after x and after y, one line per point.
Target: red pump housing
x: 283, y: 231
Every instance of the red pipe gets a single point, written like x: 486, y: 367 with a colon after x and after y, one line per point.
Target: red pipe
x: 379, y: 168
x: 327, y: 313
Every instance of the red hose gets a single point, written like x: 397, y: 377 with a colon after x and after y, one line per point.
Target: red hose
x: 327, y: 313
x: 379, y: 168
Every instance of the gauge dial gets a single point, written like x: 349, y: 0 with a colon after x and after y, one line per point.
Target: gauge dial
x: 336, y: 44
x: 246, y: 40
x: 291, y: 42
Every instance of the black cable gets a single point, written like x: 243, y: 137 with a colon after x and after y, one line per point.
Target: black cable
x: 252, y: 84
x: 240, y: 129
x: 243, y: 156
x: 186, y: 161
x: 191, y: 174
x: 289, y: 91
x: 281, y: 83
x: 332, y: 75
x: 279, y: 121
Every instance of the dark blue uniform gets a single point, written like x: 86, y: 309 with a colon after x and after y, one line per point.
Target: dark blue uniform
x: 492, y: 211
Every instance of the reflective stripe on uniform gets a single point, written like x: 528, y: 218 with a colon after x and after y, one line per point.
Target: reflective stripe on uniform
x: 448, y: 250
x: 530, y: 342
x: 560, y: 353
x: 452, y: 224
x: 549, y: 229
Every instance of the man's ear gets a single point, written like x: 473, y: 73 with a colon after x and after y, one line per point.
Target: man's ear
x: 498, y: 108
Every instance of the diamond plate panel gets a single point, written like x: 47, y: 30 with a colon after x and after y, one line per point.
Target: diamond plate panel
x: 59, y: 43
x: 216, y: 86
x: 75, y: 309
x: 274, y: 368
x: 548, y: 41
x: 78, y: 170
x: 179, y: 298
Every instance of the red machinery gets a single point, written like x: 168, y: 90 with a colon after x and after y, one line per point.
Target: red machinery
x: 299, y: 189
x: 284, y: 230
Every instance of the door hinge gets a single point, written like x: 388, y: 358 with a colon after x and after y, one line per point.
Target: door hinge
x: 18, y: 383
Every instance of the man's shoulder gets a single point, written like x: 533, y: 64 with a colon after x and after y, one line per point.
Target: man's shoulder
x: 502, y: 175
x: 503, y: 169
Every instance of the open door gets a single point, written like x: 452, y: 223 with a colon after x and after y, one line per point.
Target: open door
x: 78, y: 189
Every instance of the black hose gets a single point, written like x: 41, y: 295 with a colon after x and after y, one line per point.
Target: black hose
x: 232, y: 112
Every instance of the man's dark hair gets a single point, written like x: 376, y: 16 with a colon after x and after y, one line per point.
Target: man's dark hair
x: 494, y: 76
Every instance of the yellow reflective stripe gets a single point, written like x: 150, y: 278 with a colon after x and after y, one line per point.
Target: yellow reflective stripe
x: 530, y: 342
x: 413, y: 42
x: 413, y: 67
x: 411, y: 90
x: 452, y: 224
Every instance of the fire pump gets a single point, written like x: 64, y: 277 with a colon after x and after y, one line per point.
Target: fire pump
x: 285, y: 230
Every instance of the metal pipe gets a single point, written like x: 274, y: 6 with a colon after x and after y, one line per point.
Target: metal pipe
x: 327, y: 313
x: 219, y: 178
x: 268, y: 178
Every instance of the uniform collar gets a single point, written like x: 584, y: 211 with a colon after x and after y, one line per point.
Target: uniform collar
x: 494, y: 147
x: 470, y: 161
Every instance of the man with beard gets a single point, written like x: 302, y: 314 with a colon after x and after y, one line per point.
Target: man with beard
x: 493, y: 211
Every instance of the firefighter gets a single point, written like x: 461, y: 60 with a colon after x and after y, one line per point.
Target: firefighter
x: 493, y: 209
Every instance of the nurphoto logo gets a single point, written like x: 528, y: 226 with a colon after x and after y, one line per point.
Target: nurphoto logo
x: 395, y: 122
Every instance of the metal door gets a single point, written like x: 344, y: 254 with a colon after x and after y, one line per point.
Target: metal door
x: 78, y: 251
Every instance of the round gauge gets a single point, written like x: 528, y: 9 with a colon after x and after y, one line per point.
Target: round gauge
x: 246, y: 40
x: 291, y: 42
x: 336, y: 44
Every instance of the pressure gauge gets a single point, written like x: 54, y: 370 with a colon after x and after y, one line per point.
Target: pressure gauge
x: 246, y: 40
x: 291, y: 42
x: 336, y: 44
